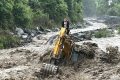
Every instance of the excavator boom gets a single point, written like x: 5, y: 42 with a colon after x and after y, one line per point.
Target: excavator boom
x: 61, y: 51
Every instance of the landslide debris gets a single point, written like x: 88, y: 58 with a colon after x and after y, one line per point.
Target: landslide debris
x: 93, y: 64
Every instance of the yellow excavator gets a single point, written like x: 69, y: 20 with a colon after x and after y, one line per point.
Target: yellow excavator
x: 62, y: 52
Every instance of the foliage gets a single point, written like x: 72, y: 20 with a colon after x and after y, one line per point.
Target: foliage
x: 42, y: 20
x: 35, y: 13
x: 118, y: 30
x: 6, y: 18
x: 22, y: 14
x: 56, y: 9
x: 75, y: 12
x: 29, y: 13
x: 102, y: 33
x: 103, y: 8
x: 8, y: 41
x: 115, y: 10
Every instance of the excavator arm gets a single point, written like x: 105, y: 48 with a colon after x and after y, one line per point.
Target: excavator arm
x: 61, y: 50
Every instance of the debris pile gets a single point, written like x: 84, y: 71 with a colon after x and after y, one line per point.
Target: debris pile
x: 87, y: 49
x: 112, y: 54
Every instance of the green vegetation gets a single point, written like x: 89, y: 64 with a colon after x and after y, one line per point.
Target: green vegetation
x: 102, y: 33
x: 40, y: 13
x: 103, y: 7
x: 8, y: 41
x: 118, y: 30
x: 35, y: 13
x: 75, y: 11
x: 114, y: 10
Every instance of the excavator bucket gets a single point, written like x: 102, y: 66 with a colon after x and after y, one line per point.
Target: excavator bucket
x: 48, y: 69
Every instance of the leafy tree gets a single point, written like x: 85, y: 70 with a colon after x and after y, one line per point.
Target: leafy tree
x: 75, y: 10
x: 26, y: 13
x: 70, y: 8
x: 6, y: 17
x: 102, y: 7
x: 22, y: 14
x: 114, y: 10
x: 56, y: 9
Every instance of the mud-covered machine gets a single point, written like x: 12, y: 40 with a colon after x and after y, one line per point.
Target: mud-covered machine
x: 62, y: 52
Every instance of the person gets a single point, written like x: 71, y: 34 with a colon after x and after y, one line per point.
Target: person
x: 65, y: 23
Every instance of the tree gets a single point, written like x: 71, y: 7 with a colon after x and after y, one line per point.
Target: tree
x: 22, y: 14
x: 102, y: 7
x: 56, y: 9
x: 26, y: 13
x: 105, y: 9
x: 114, y: 9
x: 75, y: 10
x: 6, y: 17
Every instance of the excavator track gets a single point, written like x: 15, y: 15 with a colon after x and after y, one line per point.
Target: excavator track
x: 49, y: 69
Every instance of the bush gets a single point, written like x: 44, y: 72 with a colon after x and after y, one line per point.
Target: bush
x: 102, y: 33
x: 8, y: 41
x: 42, y: 20
x: 119, y: 30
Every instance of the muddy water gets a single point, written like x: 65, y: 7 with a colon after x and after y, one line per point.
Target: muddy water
x: 24, y: 63
x: 105, y: 42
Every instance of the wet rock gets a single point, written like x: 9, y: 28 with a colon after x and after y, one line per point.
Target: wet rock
x: 19, y: 31
x: 87, y: 23
x: 48, y: 30
x: 51, y: 40
x: 79, y: 25
x: 90, y: 44
x: 81, y: 36
x: 41, y: 29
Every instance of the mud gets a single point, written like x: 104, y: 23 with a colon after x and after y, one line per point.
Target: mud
x: 96, y: 62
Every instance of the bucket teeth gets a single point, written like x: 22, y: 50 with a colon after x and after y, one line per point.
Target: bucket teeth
x: 48, y: 69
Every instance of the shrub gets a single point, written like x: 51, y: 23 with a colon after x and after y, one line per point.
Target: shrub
x: 8, y: 41
x: 102, y: 33
x: 118, y: 30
